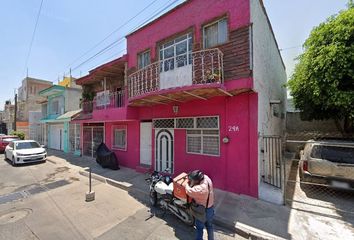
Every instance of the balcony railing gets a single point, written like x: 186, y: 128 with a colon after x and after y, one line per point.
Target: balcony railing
x: 202, y: 67
x: 87, y: 107
x: 112, y: 100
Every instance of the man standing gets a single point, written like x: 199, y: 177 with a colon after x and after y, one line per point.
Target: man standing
x: 200, y: 188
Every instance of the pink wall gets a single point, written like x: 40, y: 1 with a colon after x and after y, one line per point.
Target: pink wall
x: 130, y: 156
x: 194, y: 14
x: 236, y: 168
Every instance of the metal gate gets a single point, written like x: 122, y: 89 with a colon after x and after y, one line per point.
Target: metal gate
x: 272, y: 161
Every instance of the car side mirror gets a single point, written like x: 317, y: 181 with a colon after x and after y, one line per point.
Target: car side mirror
x: 43, y: 146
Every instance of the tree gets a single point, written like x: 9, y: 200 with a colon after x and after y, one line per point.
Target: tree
x: 20, y: 135
x: 322, y: 84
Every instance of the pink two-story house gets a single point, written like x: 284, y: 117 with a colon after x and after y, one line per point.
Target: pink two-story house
x: 201, y: 87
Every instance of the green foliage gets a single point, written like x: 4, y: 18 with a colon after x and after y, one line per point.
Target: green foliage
x: 88, y: 94
x: 19, y: 134
x: 323, y: 81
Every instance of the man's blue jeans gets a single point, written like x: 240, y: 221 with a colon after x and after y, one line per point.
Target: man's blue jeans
x: 208, y: 224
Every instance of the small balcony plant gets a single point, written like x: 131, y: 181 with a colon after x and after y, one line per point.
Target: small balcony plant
x: 213, y: 77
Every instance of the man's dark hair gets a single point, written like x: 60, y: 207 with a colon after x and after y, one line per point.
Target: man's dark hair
x: 196, y: 175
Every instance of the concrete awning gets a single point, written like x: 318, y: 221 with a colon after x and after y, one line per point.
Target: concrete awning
x: 68, y: 115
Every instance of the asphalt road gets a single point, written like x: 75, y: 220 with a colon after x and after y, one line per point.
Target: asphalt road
x: 47, y: 201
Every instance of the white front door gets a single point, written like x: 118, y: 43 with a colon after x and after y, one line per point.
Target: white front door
x: 145, y: 143
x: 164, y: 149
x: 56, y: 137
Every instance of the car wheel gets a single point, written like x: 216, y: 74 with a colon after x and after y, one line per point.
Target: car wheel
x: 5, y: 157
x: 13, y: 161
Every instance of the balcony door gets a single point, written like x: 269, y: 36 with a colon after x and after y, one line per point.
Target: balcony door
x: 176, y: 62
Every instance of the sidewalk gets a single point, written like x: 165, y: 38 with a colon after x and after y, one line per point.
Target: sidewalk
x: 249, y: 217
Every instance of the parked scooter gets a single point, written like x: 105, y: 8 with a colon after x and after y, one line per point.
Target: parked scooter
x: 161, y: 193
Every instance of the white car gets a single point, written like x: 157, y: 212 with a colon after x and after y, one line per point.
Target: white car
x: 25, y: 151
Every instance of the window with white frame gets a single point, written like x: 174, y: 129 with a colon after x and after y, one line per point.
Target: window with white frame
x: 215, y: 33
x: 176, y: 53
x: 120, y: 138
x: 204, y: 142
x: 143, y: 59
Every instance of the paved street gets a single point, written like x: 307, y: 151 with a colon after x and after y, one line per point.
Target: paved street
x: 47, y: 201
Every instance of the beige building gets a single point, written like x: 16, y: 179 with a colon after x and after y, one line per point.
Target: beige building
x: 28, y: 99
x: 8, y: 115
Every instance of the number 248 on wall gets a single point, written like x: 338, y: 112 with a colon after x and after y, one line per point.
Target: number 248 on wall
x: 234, y: 128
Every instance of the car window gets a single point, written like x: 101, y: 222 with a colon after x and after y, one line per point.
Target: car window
x: 26, y: 145
x: 333, y: 153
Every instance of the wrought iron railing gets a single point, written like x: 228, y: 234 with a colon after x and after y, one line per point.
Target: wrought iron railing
x: 112, y: 100
x: 206, y: 66
x: 87, y: 106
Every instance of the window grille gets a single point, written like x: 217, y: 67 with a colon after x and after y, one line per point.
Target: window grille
x: 208, y: 122
x: 184, y: 123
x: 164, y: 123
x: 204, y: 142
x: 119, y: 138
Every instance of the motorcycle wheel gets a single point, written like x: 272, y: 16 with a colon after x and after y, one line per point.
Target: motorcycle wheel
x: 153, y: 198
x: 191, y: 222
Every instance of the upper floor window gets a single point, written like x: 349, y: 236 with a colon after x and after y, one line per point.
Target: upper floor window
x: 143, y: 59
x: 215, y: 33
x: 176, y: 53
x: 55, y: 107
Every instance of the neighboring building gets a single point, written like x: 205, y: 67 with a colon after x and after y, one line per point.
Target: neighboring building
x: 195, y: 91
x: 69, y: 82
x: 3, y: 129
x: 28, y: 102
x: 9, y: 116
x: 61, y: 104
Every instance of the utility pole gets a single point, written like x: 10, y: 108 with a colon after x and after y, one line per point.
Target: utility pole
x: 15, y: 114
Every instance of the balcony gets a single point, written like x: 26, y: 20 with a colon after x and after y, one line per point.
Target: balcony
x: 104, y: 101
x: 178, y: 78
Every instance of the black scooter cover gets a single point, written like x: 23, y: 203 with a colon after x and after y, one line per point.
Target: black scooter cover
x: 106, y: 158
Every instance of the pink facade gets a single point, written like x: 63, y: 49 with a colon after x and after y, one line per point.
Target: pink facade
x: 190, y: 15
x: 235, y: 169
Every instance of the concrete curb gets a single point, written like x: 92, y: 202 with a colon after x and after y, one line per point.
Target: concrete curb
x: 241, y: 229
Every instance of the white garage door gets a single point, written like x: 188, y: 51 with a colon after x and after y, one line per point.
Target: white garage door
x: 56, y: 137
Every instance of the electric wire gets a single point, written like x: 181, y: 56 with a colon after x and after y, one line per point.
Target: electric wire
x: 33, y: 35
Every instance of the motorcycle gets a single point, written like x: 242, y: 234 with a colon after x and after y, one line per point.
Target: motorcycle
x: 161, y: 194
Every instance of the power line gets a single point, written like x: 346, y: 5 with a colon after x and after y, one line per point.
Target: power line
x: 288, y: 48
x: 111, y: 45
x: 157, y: 13
x: 109, y: 35
x: 115, y: 55
x: 33, y: 34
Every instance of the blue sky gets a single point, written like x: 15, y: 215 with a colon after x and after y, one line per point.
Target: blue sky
x: 69, y: 28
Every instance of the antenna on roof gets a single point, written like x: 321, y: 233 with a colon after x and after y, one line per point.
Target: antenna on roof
x: 27, y: 73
